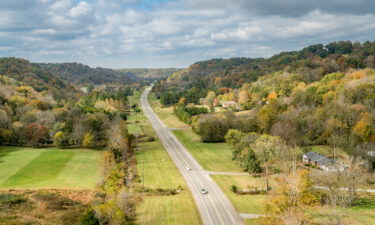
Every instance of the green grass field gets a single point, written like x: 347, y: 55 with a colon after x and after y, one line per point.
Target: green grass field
x: 362, y: 213
x: 159, y: 171
x: 166, y: 114
x: 242, y: 203
x: 211, y: 156
x: 28, y: 168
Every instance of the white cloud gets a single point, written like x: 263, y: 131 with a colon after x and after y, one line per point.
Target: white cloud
x: 82, y: 9
x: 121, y: 33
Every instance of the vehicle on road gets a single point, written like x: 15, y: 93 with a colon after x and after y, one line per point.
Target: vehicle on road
x: 188, y: 168
x: 204, y: 191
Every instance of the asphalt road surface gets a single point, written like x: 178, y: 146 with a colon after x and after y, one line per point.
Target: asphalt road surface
x: 214, y: 207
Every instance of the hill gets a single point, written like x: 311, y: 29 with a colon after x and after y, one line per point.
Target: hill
x: 83, y: 75
x: 313, y: 62
x: 320, y: 95
x: 42, y: 81
x: 150, y: 73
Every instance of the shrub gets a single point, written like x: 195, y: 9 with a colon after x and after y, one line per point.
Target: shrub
x: 88, y: 140
x: 182, y: 114
x: 150, y: 139
x: 234, y: 188
x: 89, y: 218
x: 11, y: 199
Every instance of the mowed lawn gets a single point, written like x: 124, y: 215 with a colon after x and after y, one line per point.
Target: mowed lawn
x: 159, y: 171
x: 166, y: 114
x: 242, y: 203
x: 28, y: 168
x: 211, y: 156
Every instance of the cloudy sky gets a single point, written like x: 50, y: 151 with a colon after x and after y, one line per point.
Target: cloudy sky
x: 174, y: 33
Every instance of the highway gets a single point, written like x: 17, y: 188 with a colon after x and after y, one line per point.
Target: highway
x: 214, y: 207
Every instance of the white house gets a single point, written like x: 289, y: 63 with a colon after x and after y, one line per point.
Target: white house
x: 324, y: 163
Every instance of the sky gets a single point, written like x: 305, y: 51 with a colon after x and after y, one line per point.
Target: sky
x: 174, y: 33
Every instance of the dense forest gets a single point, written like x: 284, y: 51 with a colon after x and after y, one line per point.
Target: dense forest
x: 144, y: 73
x: 82, y: 75
x: 321, y: 95
x: 312, y: 63
x: 30, y: 74
x: 37, y: 108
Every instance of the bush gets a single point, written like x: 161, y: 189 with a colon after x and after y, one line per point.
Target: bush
x: 182, y: 114
x: 234, y: 188
x: 54, y: 201
x: 89, y: 218
x: 11, y: 199
x: 213, y: 130
x: 150, y: 139
x: 186, y: 114
x: 194, y: 111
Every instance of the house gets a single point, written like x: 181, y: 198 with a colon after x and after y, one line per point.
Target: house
x: 324, y: 163
x: 230, y: 104
x: 202, y: 101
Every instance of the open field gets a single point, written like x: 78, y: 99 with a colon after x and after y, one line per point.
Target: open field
x: 168, y: 210
x: 242, y: 203
x: 362, y: 213
x: 28, y: 168
x: 160, y: 172
x: 211, y: 156
x: 166, y: 114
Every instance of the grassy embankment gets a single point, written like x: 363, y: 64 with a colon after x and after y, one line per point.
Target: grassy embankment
x: 28, y: 168
x: 160, y: 172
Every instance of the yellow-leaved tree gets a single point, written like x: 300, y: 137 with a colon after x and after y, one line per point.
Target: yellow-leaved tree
x: 287, y: 202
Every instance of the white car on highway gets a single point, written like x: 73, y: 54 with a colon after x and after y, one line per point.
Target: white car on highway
x: 188, y: 168
x: 204, y: 191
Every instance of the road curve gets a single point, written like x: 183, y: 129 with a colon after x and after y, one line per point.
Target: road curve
x: 214, y: 207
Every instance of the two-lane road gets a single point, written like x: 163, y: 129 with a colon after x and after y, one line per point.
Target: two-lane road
x: 214, y: 207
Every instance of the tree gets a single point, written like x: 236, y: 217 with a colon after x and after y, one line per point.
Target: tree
x: 288, y: 201
x: 60, y: 139
x: 363, y: 128
x: 287, y: 130
x: 36, y: 134
x: 88, y: 140
x: 5, y: 136
x: 234, y: 138
x: 251, y: 163
x: 210, y: 98
x: 89, y: 218
x: 182, y: 101
x: 213, y: 130
x: 349, y: 179
x: 267, y: 148
x: 243, y: 97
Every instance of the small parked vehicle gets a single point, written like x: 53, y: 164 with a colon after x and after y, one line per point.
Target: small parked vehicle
x: 204, y: 191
